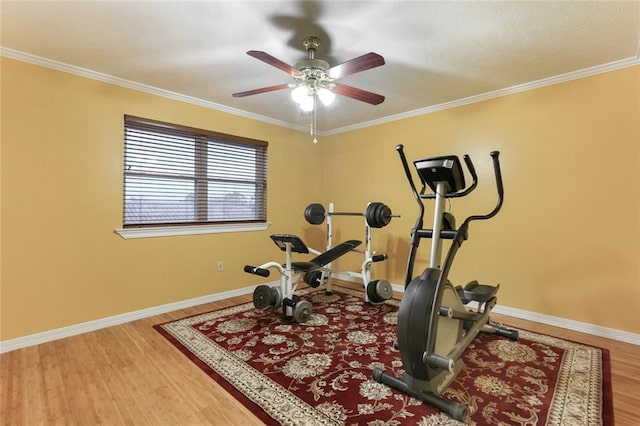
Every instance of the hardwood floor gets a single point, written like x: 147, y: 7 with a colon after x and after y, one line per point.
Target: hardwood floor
x: 130, y: 375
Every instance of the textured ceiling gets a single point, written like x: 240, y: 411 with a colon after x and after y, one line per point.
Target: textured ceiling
x: 436, y: 52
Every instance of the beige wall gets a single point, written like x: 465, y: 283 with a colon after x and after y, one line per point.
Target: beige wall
x: 62, y: 148
x: 566, y: 243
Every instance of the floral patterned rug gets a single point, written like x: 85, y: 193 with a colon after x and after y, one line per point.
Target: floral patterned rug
x: 319, y: 372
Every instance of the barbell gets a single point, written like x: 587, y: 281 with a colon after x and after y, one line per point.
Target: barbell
x: 378, y: 215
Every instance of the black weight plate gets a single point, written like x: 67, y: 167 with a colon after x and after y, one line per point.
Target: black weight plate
x: 384, y: 290
x: 314, y: 213
x: 263, y: 298
x: 379, y: 290
x: 370, y: 214
x: 378, y: 220
x: 384, y: 215
x: 277, y: 299
x: 372, y: 294
x: 313, y: 278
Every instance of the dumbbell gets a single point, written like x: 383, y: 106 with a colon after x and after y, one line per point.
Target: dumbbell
x: 378, y: 215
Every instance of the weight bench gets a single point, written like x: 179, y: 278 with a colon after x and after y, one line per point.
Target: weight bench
x: 266, y: 297
x: 327, y: 257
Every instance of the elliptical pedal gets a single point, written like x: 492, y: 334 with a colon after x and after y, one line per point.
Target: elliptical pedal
x: 460, y: 292
x: 475, y: 292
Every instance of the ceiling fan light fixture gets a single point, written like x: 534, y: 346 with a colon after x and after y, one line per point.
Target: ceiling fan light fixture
x: 326, y: 96
x: 300, y: 94
x: 308, y: 104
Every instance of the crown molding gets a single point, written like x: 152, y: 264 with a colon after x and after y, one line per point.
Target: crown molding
x: 83, y: 72
x: 105, y: 78
x: 587, y: 72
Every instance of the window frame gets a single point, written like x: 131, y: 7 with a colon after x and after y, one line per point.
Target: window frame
x: 203, y: 139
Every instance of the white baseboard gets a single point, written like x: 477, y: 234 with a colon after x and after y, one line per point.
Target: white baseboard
x: 582, y: 327
x: 59, y: 333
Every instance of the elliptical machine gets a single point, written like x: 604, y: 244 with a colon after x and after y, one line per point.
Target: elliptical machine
x: 434, y: 325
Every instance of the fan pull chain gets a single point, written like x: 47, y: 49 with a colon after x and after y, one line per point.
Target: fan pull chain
x: 313, y: 124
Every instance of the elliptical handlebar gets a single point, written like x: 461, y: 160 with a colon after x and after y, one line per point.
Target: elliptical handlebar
x: 416, y: 195
x: 474, y: 176
x: 496, y: 167
x: 495, y: 156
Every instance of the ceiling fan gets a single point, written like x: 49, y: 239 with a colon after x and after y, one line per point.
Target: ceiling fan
x: 315, y: 79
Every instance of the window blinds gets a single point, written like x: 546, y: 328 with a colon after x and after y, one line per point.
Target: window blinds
x: 176, y: 175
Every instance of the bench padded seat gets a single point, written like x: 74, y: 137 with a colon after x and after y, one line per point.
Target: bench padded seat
x: 326, y: 257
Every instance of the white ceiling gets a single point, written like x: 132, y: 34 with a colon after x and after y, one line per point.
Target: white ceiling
x: 436, y: 52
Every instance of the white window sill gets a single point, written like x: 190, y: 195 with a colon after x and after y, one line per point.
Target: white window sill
x: 170, y: 231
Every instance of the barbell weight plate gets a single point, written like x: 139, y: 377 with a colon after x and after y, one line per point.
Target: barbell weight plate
x: 302, y: 311
x: 277, y: 298
x: 263, y: 298
x: 378, y: 215
x: 371, y: 292
x: 314, y: 213
x: 379, y: 218
x: 370, y: 214
x: 384, y: 214
x: 384, y: 290
x: 313, y: 278
x: 379, y: 290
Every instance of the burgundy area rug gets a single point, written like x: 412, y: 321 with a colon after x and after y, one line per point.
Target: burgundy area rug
x: 319, y: 372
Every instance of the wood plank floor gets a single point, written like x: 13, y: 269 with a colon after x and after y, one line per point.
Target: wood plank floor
x: 130, y: 375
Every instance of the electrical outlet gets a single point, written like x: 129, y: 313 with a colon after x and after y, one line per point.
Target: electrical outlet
x: 220, y: 266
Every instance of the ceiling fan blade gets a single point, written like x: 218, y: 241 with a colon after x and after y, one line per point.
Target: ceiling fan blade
x: 273, y: 61
x: 358, y: 94
x: 361, y: 63
x: 261, y: 90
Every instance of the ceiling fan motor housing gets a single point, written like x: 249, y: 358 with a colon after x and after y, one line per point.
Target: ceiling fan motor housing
x: 313, y: 64
x: 313, y: 73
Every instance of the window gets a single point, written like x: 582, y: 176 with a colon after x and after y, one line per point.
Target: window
x: 175, y: 175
